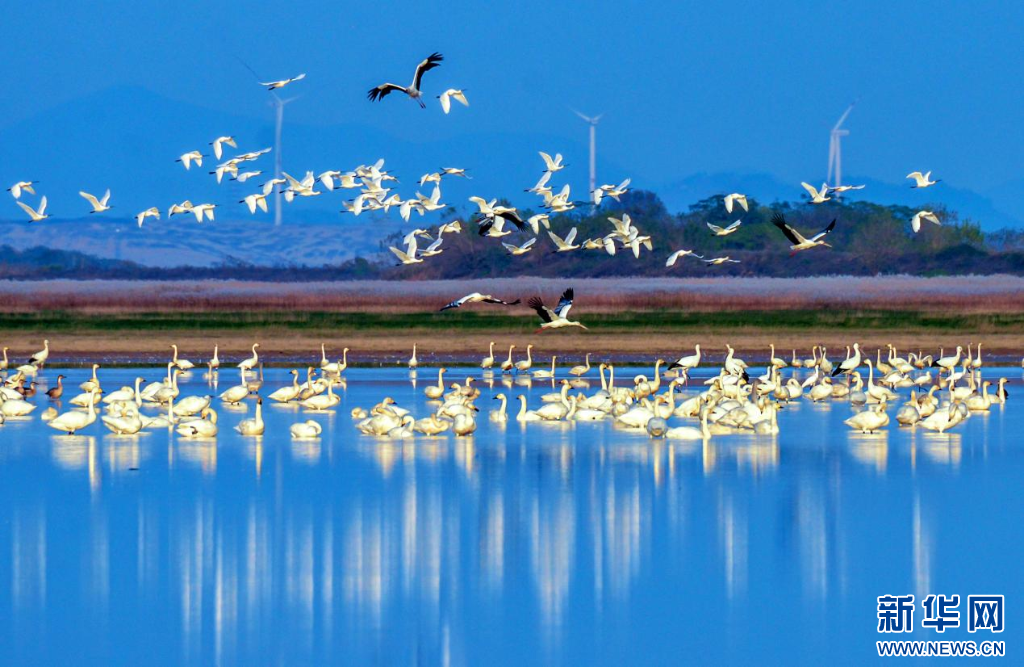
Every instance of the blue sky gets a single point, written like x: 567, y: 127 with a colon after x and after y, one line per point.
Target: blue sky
x: 686, y: 87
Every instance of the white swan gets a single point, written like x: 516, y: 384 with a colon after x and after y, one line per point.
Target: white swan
x: 74, y: 420
x: 254, y: 426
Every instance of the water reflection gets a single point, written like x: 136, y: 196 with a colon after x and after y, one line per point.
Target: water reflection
x: 264, y: 549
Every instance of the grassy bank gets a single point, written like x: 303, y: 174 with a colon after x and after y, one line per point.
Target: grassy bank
x: 657, y: 321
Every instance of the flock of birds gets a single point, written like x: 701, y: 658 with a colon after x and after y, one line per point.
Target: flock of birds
x: 732, y: 401
x: 494, y: 220
x: 944, y: 392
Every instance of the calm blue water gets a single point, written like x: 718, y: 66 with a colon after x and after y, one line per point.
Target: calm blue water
x: 550, y: 544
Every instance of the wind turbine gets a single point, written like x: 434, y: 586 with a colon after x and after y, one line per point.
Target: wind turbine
x: 278, y: 105
x: 592, y: 121
x: 835, y: 148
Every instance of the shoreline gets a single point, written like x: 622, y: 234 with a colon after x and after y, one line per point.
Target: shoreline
x: 376, y: 347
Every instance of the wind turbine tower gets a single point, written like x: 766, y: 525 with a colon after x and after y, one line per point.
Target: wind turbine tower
x: 835, y: 148
x: 278, y: 104
x: 592, y: 122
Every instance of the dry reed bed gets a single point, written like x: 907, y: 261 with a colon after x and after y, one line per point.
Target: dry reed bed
x: 965, y: 294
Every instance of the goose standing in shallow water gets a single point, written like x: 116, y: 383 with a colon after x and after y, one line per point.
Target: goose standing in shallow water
x: 56, y: 392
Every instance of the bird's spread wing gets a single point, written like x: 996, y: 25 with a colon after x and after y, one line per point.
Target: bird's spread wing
x: 515, y: 218
x: 780, y: 221
x: 528, y: 243
x: 810, y: 189
x: 89, y: 198
x: 565, y: 303
x: 427, y: 64
x: 554, y: 237
x: 831, y: 226
x: 455, y: 304
x: 399, y: 254
x: 542, y: 310
x: 382, y: 91
x: 571, y: 236
x: 491, y: 299
x: 734, y: 225
x: 25, y: 207
x: 446, y: 103
x: 714, y: 228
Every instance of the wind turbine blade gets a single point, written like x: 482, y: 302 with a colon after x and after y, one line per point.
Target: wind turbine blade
x: 842, y: 118
x: 586, y: 118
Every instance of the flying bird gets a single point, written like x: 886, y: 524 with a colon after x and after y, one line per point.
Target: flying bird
x: 613, y: 191
x: 922, y: 180
x: 915, y: 222
x: 817, y: 196
x: 274, y: 85
x: 413, y: 90
x: 153, y: 212
x: 735, y: 198
x: 17, y: 188
x: 245, y: 176
x: 674, y: 257
x: 477, y: 297
x: 98, y: 205
x: 254, y: 201
x: 564, y: 245
x: 840, y: 189
x: 520, y: 249
x: 798, y: 239
x: 554, y: 165
x: 406, y: 257
x: 725, y: 231
x: 35, y: 214
x: 192, y: 156
x: 452, y: 93
x: 720, y: 260
x: 218, y: 145
x: 183, y: 207
x: 203, y: 209
x: 556, y: 318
